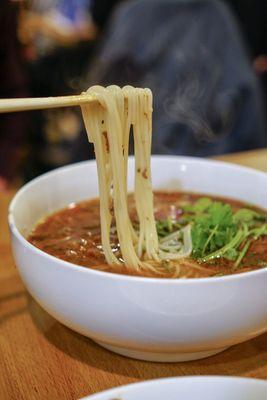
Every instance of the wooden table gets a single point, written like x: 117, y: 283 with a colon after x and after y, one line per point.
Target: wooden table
x: 41, y: 359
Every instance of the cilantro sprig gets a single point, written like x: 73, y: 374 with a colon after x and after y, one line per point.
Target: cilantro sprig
x: 219, y: 232
x: 216, y: 230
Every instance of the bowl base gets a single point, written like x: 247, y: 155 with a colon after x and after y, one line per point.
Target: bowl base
x: 160, y: 357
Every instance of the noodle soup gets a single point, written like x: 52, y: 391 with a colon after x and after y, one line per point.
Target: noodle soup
x: 145, y: 318
x: 73, y: 234
x: 178, y: 235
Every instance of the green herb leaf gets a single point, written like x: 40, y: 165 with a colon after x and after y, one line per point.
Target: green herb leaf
x: 199, y: 206
x: 245, y: 215
x: 231, y: 254
x: 213, y: 229
x: 202, y: 204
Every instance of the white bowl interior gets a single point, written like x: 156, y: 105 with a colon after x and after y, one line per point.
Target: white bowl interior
x: 189, y: 388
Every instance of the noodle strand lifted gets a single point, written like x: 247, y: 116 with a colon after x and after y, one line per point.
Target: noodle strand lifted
x: 108, y: 125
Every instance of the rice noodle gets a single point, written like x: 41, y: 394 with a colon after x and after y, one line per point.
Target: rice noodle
x: 173, y: 254
x: 108, y: 123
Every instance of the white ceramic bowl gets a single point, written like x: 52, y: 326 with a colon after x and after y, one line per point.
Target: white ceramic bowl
x: 189, y: 388
x: 144, y: 318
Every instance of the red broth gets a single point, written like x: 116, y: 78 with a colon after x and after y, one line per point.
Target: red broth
x: 73, y: 235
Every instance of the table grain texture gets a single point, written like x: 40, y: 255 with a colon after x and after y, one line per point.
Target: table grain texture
x: 42, y: 359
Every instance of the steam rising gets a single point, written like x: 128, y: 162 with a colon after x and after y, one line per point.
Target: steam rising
x: 185, y: 68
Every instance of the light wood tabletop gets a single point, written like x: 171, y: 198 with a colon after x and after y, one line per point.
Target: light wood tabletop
x: 42, y: 359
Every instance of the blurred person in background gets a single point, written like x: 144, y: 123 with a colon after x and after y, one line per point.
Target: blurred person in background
x: 13, y: 83
x: 191, y: 53
x: 207, y: 99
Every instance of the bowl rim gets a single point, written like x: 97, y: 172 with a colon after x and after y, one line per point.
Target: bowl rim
x: 119, y: 277
x: 158, y: 381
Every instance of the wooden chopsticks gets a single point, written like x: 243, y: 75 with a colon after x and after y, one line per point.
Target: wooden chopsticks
x: 38, y: 103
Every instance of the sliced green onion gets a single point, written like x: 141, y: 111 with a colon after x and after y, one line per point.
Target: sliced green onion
x: 242, y: 253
